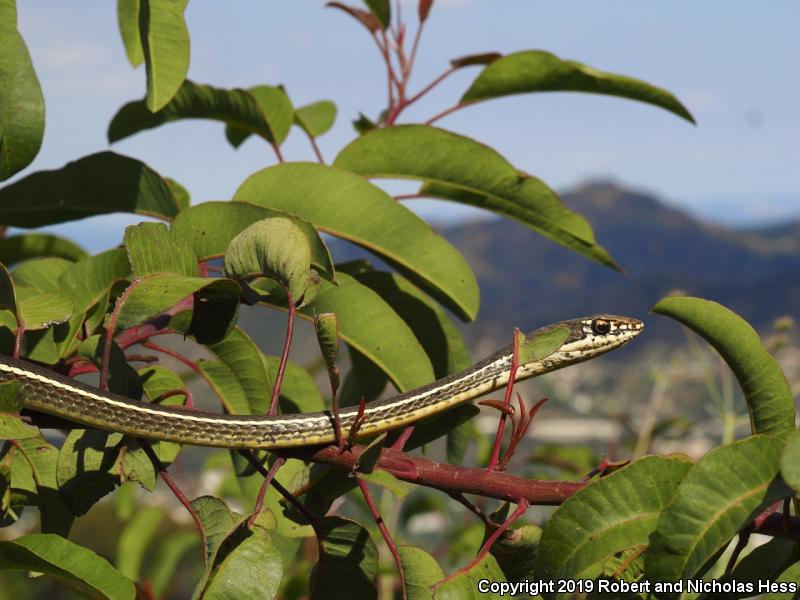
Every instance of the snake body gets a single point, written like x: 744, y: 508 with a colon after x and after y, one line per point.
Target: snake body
x: 45, y: 391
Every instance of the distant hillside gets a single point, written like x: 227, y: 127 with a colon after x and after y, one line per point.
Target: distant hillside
x: 527, y: 280
x: 779, y: 238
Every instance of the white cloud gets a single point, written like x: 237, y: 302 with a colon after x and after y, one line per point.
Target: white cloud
x: 73, y: 56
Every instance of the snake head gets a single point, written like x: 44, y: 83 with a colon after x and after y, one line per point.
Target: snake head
x: 599, y: 334
x: 574, y: 341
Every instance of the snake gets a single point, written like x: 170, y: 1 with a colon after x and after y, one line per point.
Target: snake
x: 46, y: 391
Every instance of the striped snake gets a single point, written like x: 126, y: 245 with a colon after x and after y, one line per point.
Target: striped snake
x: 48, y: 392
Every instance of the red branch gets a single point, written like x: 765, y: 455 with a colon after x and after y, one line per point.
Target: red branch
x: 498, y: 440
x: 376, y: 515
x: 462, y: 499
x: 273, y: 470
x: 135, y: 335
x: 162, y: 470
x: 311, y: 517
x: 522, y: 506
x: 18, y: 337
x: 277, y: 150
x: 174, y: 354
x: 185, y: 392
x: 777, y: 525
x: 448, y: 478
x: 444, y: 113
x: 402, y: 439
x: 287, y: 344
x: 315, y: 148
x: 109, y: 339
x: 81, y: 369
x: 362, y: 405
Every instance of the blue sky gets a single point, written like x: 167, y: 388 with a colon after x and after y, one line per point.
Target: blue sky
x: 732, y: 62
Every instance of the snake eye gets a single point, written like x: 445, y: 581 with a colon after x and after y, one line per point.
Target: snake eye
x: 601, y: 327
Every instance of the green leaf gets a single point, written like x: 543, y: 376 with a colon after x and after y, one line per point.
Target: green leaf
x: 541, y: 345
x: 316, y: 118
x: 442, y: 341
x: 165, y: 44
x: 382, y: 10
x: 154, y: 294
x: 182, y: 197
x: 367, y: 19
x: 326, y: 326
x: 128, y: 21
x: 369, y: 324
x: 348, y: 561
x: 41, y: 273
x: 722, y: 493
x: 275, y: 248
x: 421, y: 572
x: 56, y: 556
x: 785, y: 588
x: 609, y: 515
x: 515, y: 552
x: 299, y: 392
x: 217, y: 519
x: 365, y: 380
x: 247, y: 565
x: 33, y: 475
x: 363, y: 124
x: 88, y: 284
x: 765, y: 562
x: 226, y: 386
x: 243, y: 378
x: 484, y: 58
x: 11, y: 426
x: 769, y: 398
x: 21, y: 100
x: 154, y: 249
x: 790, y: 461
x: 36, y: 245
x: 134, y: 540
x: 93, y: 185
x: 423, y: 9
x: 211, y: 226
x: 539, y: 71
x: 30, y: 307
x: 277, y: 112
x: 122, y: 378
x: 8, y: 300
x: 243, y: 358
x: 157, y: 380
x: 93, y: 463
x: 369, y: 457
x: 344, y: 205
x: 460, y: 169
x: 5, y: 491
x: 400, y: 489
x: 40, y: 310
x: 267, y: 114
x: 89, y: 280
x: 464, y: 585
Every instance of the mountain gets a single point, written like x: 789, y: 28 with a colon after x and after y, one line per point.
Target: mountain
x: 777, y: 238
x: 527, y: 280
